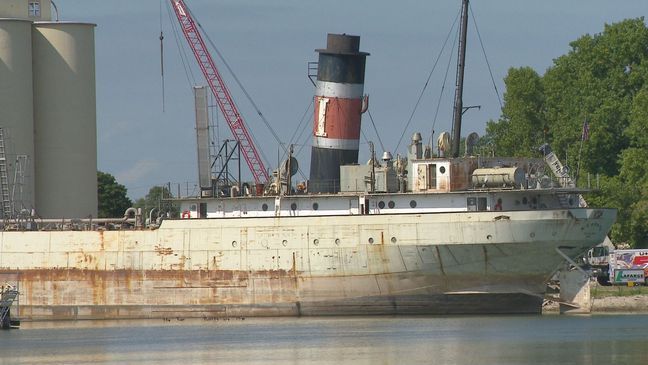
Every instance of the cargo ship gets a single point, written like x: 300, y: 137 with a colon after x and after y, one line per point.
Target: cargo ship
x: 457, y: 244
x: 425, y: 234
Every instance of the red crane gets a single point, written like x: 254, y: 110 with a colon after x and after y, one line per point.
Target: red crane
x: 220, y: 91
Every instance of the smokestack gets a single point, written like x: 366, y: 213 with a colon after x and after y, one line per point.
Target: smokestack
x: 337, y: 111
x: 202, y: 140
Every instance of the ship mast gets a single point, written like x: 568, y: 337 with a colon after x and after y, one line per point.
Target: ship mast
x: 461, y: 64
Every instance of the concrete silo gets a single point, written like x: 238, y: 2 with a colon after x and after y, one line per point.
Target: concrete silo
x: 26, y: 9
x: 65, y: 119
x: 16, y: 102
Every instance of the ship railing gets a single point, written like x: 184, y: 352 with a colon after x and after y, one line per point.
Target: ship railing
x: 60, y: 224
x: 180, y: 190
x: 326, y: 186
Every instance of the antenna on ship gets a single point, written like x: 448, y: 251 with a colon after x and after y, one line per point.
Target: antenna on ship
x: 461, y: 64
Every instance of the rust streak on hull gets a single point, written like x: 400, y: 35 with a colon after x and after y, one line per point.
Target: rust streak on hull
x: 91, y: 294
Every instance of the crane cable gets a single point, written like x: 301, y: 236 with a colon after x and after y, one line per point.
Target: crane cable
x: 162, y: 56
x: 238, y: 82
x: 191, y: 80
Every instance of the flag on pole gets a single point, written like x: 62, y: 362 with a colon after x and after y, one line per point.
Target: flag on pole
x: 585, y: 133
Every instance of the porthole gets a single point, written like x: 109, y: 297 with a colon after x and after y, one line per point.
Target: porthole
x: 371, y: 241
x: 412, y: 203
x: 337, y: 241
x: 442, y: 169
x: 391, y: 204
x: 316, y: 242
x: 293, y: 206
x: 284, y: 243
x: 315, y: 206
x: 532, y: 234
x: 234, y: 243
x: 381, y: 204
x: 393, y: 240
x: 264, y: 207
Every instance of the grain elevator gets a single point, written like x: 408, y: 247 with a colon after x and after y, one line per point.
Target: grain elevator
x: 48, y: 118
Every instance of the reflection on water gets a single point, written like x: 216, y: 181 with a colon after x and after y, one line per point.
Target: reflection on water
x: 613, y: 339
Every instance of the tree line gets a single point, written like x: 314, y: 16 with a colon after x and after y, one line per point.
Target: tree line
x: 591, y: 106
x: 113, y: 199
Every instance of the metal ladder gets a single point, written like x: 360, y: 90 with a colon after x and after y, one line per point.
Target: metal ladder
x: 565, y: 181
x: 558, y: 169
x: 6, y: 300
x: 4, y: 179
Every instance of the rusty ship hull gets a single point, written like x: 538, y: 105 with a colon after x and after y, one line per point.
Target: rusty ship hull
x: 427, y: 263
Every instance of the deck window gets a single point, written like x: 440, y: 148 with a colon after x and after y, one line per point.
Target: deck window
x: 471, y: 204
x: 481, y: 204
x: 34, y: 9
x: 432, y: 176
x: 476, y: 204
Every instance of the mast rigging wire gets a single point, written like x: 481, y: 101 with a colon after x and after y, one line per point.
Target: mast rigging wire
x: 301, y: 128
x: 445, y: 80
x: 376, y: 129
x: 418, y: 101
x: 490, y: 71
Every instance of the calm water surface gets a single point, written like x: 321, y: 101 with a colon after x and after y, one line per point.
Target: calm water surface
x: 605, y: 339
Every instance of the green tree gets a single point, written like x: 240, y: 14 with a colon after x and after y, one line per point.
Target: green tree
x: 158, y: 197
x: 595, y: 82
x: 634, y: 173
x: 628, y: 190
x: 520, y: 129
x: 113, y: 201
x: 603, y: 80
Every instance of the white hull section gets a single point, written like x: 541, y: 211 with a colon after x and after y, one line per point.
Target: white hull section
x: 400, y: 263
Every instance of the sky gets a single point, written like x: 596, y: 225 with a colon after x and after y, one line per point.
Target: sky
x: 146, y: 140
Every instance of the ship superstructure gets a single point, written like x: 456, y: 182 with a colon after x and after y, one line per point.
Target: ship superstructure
x: 482, y: 249
x: 465, y: 235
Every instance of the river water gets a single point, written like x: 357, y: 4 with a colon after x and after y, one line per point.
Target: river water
x: 549, y: 339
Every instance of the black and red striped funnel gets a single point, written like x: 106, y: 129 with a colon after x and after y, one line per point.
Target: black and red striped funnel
x: 337, y: 111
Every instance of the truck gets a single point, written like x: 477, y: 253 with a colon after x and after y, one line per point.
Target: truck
x: 628, y: 266
x: 597, y: 261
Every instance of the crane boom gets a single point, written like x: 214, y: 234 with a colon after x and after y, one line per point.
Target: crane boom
x: 220, y: 91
